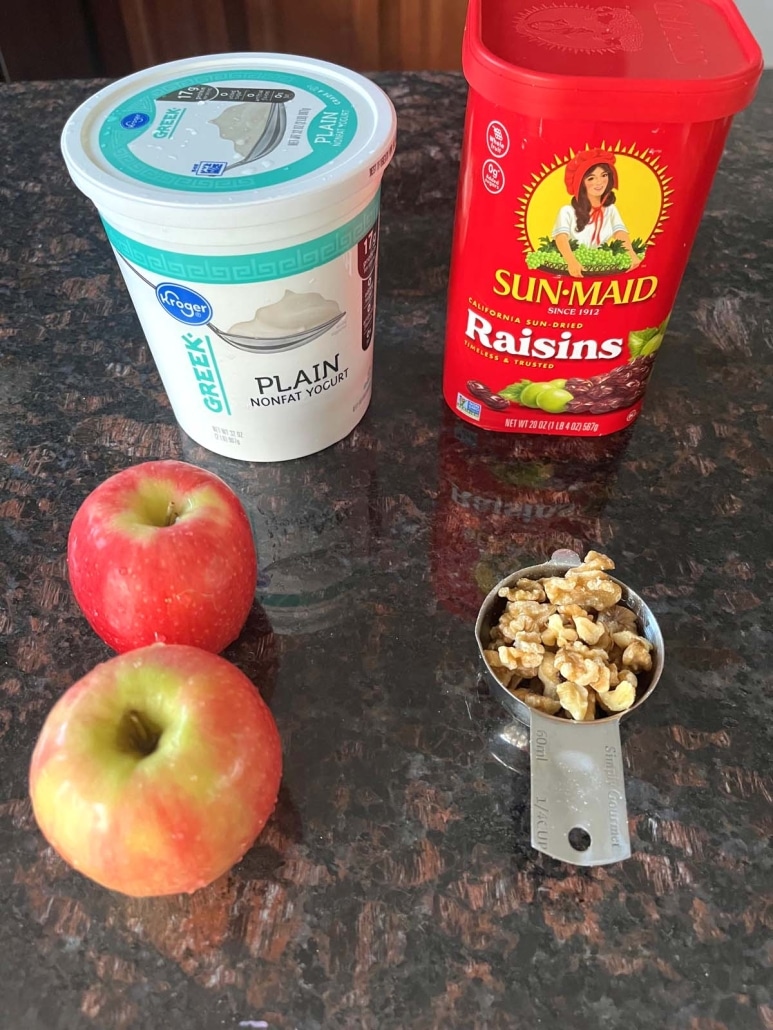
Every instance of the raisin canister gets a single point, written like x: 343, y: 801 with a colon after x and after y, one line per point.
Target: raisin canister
x: 592, y: 136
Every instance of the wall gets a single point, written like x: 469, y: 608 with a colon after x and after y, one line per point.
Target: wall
x: 759, y: 18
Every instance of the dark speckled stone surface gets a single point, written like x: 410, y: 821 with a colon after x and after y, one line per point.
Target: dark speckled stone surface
x: 395, y: 886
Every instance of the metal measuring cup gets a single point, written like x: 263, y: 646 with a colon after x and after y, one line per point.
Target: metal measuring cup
x: 577, y: 781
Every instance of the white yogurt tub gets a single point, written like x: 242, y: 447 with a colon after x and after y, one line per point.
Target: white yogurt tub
x: 240, y: 193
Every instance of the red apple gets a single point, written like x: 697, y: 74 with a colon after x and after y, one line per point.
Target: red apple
x: 156, y: 772
x: 163, y: 552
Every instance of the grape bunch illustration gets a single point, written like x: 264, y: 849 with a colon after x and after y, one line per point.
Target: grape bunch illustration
x: 609, y: 257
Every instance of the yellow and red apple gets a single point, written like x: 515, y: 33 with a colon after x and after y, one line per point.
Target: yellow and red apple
x: 156, y: 771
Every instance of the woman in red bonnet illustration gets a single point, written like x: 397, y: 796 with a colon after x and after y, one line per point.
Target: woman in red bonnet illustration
x: 592, y: 217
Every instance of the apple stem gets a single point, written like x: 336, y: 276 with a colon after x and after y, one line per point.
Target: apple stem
x: 171, y: 514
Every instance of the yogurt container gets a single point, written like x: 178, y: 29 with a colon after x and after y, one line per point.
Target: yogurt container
x: 240, y: 193
x: 592, y: 136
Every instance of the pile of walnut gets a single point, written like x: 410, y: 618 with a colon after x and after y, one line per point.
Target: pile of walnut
x: 565, y: 646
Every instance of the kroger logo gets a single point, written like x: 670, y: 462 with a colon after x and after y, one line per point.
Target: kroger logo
x: 183, y: 304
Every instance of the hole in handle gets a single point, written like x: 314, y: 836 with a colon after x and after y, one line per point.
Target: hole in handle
x: 579, y: 839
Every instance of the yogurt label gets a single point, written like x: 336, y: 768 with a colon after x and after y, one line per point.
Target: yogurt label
x: 255, y: 362
x: 231, y: 131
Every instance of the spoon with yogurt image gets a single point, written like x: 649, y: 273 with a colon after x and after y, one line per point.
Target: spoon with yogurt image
x: 254, y: 127
x: 295, y: 319
x: 292, y: 321
x: 254, y: 130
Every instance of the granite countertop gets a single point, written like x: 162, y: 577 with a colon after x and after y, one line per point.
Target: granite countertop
x: 395, y: 886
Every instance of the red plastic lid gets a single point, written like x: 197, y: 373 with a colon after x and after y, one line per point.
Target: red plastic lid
x: 612, y: 60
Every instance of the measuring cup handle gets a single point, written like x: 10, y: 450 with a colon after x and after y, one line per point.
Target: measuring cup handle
x: 578, y: 807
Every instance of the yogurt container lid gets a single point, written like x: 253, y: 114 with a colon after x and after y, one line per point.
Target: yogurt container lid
x: 620, y: 60
x: 228, y: 139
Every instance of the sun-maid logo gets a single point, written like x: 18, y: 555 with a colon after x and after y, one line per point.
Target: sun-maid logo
x: 183, y: 304
x: 604, y: 205
x: 581, y: 28
x: 587, y: 222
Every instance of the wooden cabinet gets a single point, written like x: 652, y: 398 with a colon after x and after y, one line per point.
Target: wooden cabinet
x: 367, y: 35
x: 111, y: 37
